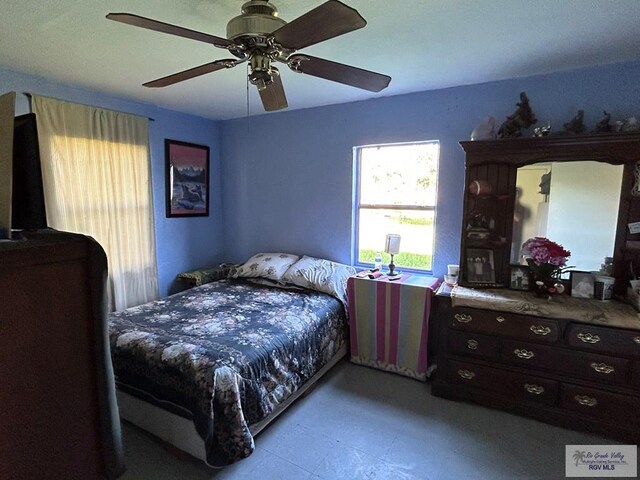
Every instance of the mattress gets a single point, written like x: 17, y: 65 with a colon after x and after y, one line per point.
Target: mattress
x: 225, y: 355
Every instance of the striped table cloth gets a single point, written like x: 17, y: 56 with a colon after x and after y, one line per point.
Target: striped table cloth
x: 389, y: 323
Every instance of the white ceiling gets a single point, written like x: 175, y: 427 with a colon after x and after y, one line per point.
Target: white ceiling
x: 421, y: 44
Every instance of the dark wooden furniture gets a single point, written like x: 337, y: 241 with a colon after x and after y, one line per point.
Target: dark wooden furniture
x: 560, y: 371
x: 58, y: 416
x: 574, y: 374
x: 496, y: 163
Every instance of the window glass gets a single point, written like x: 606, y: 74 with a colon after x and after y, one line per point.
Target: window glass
x: 396, y: 193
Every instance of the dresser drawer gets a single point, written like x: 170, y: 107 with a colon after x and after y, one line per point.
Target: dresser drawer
x: 473, y: 344
x: 598, y: 368
x: 530, y: 354
x: 599, y: 404
x: 521, y: 387
x: 475, y: 375
x: 506, y: 324
x: 599, y: 339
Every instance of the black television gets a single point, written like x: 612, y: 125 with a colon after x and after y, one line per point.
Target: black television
x: 27, y: 203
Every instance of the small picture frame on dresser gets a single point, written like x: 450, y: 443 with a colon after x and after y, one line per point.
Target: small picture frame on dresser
x: 581, y: 284
x: 480, y: 265
x: 520, y: 278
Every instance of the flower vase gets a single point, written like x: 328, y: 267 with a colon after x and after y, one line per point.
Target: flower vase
x: 547, y: 260
x: 547, y: 287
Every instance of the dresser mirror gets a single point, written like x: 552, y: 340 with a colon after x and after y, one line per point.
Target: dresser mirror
x: 558, y: 199
x: 591, y: 195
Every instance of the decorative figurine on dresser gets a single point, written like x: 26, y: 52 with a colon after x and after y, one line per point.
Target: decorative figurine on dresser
x: 557, y: 357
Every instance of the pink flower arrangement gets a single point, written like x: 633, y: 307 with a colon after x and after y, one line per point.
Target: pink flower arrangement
x: 542, y: 250
x: 545, y: 258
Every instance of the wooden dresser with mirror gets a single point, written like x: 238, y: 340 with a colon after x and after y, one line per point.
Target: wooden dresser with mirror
x: 569, y: 361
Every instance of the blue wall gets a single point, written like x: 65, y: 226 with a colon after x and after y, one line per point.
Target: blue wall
x: 284, y: 181
x: 288, y: 176
x: 181, y: 243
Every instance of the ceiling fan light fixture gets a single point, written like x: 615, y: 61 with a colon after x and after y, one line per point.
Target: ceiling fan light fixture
x: 259, y: 83
x: 259, y: 7
x: 259, y: 18
x: 260, y: 37
x: 260, y: 71
x: 260, y: 79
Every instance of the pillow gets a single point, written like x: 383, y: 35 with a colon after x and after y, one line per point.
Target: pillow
x: 266, y: 265
x: 321, y: 275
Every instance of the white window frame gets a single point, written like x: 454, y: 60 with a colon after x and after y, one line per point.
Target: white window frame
x: 357, y: 206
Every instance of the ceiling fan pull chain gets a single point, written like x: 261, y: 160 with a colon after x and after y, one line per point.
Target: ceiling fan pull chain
x: 247, y: 77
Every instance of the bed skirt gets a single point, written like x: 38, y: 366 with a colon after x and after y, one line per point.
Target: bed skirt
x: 181, y: 432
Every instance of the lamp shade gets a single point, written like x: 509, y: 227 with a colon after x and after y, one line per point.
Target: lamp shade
x: 392, y: 244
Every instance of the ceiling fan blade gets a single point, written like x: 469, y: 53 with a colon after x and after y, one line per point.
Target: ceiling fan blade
x: 329, y: 20
x: 191, y: 73
x: 143, y: 22
x: 338, y: 72
x: 273, y: 97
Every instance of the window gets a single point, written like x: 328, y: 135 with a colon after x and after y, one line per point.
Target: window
x: 97, y: 181
x: 396, y: 193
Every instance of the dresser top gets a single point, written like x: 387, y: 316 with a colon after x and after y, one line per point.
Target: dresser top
x: 611, y: 313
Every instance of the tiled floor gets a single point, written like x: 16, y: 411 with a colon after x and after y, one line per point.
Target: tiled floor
x: 360, y: 423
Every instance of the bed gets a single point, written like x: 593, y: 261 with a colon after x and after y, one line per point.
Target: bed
x: 224, y: 358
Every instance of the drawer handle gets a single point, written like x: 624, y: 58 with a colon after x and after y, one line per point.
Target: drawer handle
x: 637, y: 340
x: 462, y: 318
x: 500, y: 319
x: 533, y: 388
x: 602, y: 367
x: 522, y: 353
x: 586, y: 401
x: 466, y: 374
x: 472, y: 344
x: 540, y: 330
x: 588, y: 338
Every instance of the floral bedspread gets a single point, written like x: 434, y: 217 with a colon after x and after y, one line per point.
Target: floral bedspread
x: 228, y: 352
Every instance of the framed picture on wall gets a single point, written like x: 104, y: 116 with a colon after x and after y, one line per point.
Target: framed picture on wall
x: 187, y: 179
x: 520, y: 277
x: 480, y: 266
x: 581, y: 284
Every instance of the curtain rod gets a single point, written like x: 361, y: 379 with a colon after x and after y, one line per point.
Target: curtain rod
x: 93, y: 106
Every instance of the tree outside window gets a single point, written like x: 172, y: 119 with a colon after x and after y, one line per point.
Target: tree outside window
x: 396, y: 192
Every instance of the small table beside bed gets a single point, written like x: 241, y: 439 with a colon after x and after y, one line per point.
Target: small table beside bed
x: 208, y: 368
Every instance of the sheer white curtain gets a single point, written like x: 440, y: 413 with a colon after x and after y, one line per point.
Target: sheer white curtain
x: 97, y: 181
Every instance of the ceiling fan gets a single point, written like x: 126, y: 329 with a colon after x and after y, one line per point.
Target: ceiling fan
x: 260, y: 37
